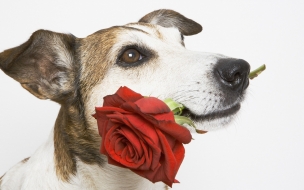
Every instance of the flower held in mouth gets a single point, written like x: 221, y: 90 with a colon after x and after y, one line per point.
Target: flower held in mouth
x: 140, y: 133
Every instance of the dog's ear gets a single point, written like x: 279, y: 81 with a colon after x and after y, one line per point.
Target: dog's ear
x: 43, y: 65
x: 170, y: 18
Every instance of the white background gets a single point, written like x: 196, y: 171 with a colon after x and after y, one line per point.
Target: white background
x: 262, y: 149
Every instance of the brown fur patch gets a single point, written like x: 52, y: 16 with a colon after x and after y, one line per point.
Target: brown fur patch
x: 64, y: 162
x: 170, y: 18
x: 94, y: 57
x: 72, y: 136
x: 152, y: 29
x: 42, y: 64
x: 72, y: 140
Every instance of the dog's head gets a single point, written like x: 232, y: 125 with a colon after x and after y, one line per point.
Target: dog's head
x: 148, y: 56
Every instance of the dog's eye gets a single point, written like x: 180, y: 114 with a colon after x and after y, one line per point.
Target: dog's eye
x: 131, y: 56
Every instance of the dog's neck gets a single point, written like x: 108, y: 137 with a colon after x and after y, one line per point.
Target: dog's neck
x: 77, y: 154
x: 73, y: 140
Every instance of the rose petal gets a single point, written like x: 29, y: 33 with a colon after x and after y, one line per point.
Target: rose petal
x: 133, y: 139
x: 181, y: 133
x: 179, y: 153
x: 164, y: 117
x: 148, y: 155
x: 102, y: 128
x: 112, y: 101
x: 152, y: 105
x: 106, y: 140
x: 143, y: 152
x: 169, y: 163
x: 118, y: 145
x: 144, y: 131
x: 128, y: 95
x: 123, y: 155
x: 137, y: 123
x: 107, y: 110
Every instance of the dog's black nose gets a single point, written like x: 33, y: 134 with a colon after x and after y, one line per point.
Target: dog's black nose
x: 233, y: 73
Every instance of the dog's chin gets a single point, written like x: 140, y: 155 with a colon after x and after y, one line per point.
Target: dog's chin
x: 214, y: 120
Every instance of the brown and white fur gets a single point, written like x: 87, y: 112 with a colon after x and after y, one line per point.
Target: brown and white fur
x: 78, y: 72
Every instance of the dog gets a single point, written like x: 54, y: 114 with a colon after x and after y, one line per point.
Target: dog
x: 148, y: 56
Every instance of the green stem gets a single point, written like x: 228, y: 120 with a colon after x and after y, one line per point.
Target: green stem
x: 256, y: 72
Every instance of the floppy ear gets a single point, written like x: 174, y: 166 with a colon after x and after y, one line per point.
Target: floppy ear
x: 43, y: 65
x: 170, y: 18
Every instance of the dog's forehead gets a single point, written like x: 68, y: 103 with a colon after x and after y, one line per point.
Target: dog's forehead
x: 155, y: 30
x: 111, y: 40
x: 137, y: 33
x: 147, y: 35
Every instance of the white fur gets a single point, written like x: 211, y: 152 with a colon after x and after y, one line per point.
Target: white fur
x: 39, y: 173
x: 32, y: 174
x: 112, y: 177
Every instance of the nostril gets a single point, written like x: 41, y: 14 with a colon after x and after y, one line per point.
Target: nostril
x: 236, y: 78
x: 233, y: 73
x: 230, y: 77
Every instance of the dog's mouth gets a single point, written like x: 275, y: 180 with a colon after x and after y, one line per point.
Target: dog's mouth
x: 213, y: 115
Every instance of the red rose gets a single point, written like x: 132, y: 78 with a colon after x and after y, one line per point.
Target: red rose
x: 140, y: 134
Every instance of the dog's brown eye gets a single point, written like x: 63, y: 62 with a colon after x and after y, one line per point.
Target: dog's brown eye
x: 131, y: 56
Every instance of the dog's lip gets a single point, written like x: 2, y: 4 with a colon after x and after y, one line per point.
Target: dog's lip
x: 214, y: 115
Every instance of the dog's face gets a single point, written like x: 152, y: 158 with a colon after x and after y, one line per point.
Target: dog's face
x: 149, y: 57
x: 152, y: 60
